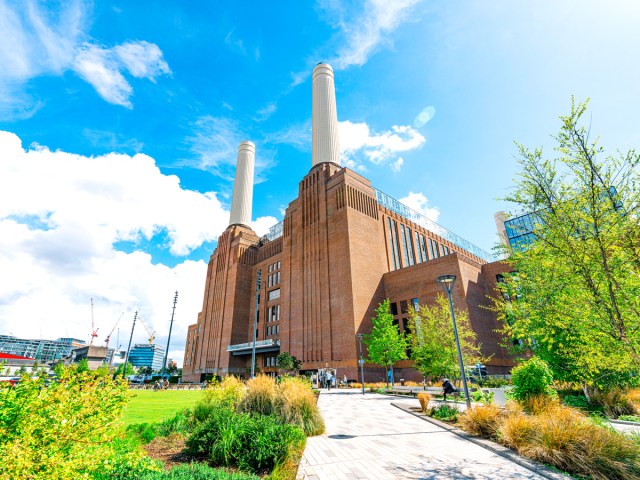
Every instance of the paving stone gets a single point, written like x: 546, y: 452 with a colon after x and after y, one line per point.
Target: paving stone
x: 368, y: 438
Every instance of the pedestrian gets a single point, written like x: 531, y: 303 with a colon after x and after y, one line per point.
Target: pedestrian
x: 327, y: 379
x: 344, y: 381
x: 448, y: 388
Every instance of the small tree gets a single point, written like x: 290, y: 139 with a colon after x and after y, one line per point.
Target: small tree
x: 288, y: 363
x: 385, y: 344
x: 128, y: 371
x: 83, y: 366
x: 433, y: 346
x: 532, y: 378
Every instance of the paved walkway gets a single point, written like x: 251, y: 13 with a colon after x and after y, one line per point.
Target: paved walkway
x: 368, y: 438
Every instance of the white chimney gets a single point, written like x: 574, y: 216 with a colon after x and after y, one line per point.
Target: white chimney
x: 325, y: 146
x: 243, y: 185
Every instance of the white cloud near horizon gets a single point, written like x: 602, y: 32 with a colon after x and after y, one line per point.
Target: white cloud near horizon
x: 61, y: 218
x: 37, y: 42
x: 418, y: 202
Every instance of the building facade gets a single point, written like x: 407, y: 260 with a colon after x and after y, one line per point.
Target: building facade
x: 44, y: 351
x: 314, y: 281
x: 147, y: 355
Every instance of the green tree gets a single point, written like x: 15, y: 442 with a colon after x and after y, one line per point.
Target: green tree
x: 288, y: 363
x: 386, y: 345
x: 433, y: 346
x: 128, y: 371
x: 574, y: 299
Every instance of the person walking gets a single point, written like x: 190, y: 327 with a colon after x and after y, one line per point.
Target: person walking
x: 328, y: 378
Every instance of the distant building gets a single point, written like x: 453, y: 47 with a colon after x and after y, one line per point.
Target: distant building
x: 147, y: 355
x: 13, y: 363
x: 96, y: 356
x: 45, y: 351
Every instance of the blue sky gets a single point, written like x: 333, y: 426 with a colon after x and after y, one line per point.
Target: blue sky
x: 122, y: 120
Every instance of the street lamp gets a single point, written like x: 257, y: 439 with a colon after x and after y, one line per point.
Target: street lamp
x: 446, y: 282
x: 361, y: 361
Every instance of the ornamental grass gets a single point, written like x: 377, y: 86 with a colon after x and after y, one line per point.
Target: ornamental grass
x: 295, y: 403
x: 567, y: 439
x: 260, y: 396
x: 482, y: 421
x: 424, y: 398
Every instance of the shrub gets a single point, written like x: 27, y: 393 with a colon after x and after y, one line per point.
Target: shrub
x: 531, y: 378
x: 537, y: 404
x: 146, y: 432
x: 445, y: 412
x: 482, y: 421
x: 226, y: 394
x: 568, y: 440
x: 252, y: 442
x: 295, y: 403
x: 260, y: 396
x: 126, y: 462
x: 576, y: 401
x: 493, y: 382
x: 480, y: 396
x: 614, y: 403
x: 198, y: 471
x: 424, y: 398
x: 65, y: 429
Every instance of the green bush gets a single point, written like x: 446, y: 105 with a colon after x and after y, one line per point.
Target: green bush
x: 226, y: 394
x: 127, y: 461
x: 531, y: 378
x: 198, y: 471
x: 493, y: 382
x: 146, y: 432
x: 252, y: 442
x: 445, y: 412
x: 629, y: 418
x: 295, y: 404
x: 480, y: 396
x: 64, y: 429
x: 576, y: 401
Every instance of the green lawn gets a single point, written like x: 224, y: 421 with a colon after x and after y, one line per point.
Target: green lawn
x: 150, y: 406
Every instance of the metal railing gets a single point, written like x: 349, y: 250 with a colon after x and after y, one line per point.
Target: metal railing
x: 260, y: 343
x: 274, y: 232
x: 415, y: 217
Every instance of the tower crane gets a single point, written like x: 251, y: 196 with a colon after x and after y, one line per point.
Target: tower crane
x: 94, y: 330
x: 152, y: 335
x: 106, y: 340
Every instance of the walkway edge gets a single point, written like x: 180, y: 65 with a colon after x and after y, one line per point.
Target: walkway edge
x: 496, y: 448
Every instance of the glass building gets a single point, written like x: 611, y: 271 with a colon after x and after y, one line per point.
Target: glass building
x: 147, y: 355
x: 45, y: 351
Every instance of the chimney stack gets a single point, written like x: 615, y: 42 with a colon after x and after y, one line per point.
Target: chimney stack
x: 325, y: 145
x: 243, y: 185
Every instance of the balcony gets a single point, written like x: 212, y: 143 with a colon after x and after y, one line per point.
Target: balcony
x: 262, y: 346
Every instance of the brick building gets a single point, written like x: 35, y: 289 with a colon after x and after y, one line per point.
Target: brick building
x: 342, y: 248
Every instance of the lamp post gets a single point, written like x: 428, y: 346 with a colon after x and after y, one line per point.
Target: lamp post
x: 446, y: 282
x: 361, y: 361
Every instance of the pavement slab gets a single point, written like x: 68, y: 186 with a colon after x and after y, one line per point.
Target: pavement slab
x: 368, y: 438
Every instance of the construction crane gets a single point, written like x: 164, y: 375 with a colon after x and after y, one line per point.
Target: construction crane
x: 152, y: 335
x: 94, y: 330
x: 106, y: 340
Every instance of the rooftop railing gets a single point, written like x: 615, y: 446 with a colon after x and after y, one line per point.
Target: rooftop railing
x: 274, y: 232
x: 415, y: 217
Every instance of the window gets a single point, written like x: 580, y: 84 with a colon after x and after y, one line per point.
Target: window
x: 278, y: 264
x: 433, y: 245
x: 414, y: 302
x: 270, y: 267
x: 404, y: 307
x: 274, y: 294
x: 277, y: 329
x: 406, y: 245
x: 405, y: 326
x: 394, y: 308
x: 393, y: 236
x: 278, y: 277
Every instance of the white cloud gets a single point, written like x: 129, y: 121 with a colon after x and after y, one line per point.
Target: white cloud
x: 262, y: 225
x: 265, y: 112
x: 420, y: 203
x: 39, y: 42
x: 358, y: 141
x: 61, y: 216
x: 364, y: 27
x: 397, y: 165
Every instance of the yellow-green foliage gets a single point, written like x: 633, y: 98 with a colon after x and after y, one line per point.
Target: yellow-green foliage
x: 565, y: 438
x: 228, y: 393
x: 62, y: 430
x: 424, y: 398
x: 295, y: 403
x: 260, y: 395
x: 482, y: 420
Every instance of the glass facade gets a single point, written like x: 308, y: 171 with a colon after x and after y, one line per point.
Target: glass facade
x: 147, y: 355
x: 44, y: 351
